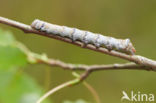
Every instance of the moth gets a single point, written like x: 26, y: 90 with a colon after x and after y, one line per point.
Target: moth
x: 87, y: 37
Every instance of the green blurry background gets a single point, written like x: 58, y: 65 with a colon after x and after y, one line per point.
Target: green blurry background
x: 134, y: 19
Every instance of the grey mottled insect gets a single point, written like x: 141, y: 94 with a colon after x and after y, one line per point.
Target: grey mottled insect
x: 121, y: 45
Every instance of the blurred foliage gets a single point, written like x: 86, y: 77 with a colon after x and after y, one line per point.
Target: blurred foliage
x: 15, y: 86
x: 10, y: 55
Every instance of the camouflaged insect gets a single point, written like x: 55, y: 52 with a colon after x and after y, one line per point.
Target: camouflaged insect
x: 98, y: 40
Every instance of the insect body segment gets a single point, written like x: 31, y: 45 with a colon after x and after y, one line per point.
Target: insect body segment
x: 121, y: 45
x: 78, y: 35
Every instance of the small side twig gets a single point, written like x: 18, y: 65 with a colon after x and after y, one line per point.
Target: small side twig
x: 71, y: 83
x: 130, y: 66
x: 52, y: 91
x: 66, y: 84
x: 87, y: 85
x: 93, y: 92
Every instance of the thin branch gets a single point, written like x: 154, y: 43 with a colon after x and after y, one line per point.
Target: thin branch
x: 52, y: 91
x: 93, y: 92
x: 133, y: 58
x: 88, y: 86
x: 130, y: 66
x: 33, y: 57
x: 71, y: 83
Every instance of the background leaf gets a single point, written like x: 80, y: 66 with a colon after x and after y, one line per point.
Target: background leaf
x: 15, y: 85
x: 10, y: 55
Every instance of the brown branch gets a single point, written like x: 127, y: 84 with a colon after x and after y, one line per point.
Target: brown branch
x: 133, y: 58
x: 90, y: 68
x: 34, y: 57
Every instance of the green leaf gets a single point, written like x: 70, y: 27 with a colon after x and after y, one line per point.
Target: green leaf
x: 10, y: 55
x: 15, y: 86
x: 6, y: 38
x: 19, y: 89
x: 5, y: 78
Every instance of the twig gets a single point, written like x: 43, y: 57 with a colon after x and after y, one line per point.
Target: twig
x: 93, y: 92
x: 52, y: 62
x: 66, y: 84
x: 70, y: 83
x: 130, y: 66
x: 52, y: 91
x: 88, y: 86
x: 135, y: 58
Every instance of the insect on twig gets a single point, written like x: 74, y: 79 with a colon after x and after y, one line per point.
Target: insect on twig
x: 98, y: 40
